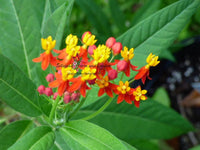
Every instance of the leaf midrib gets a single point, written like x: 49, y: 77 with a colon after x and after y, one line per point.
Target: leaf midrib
x: 95, y: 139
x: 23, y: 41
x: 21, y: 94
x: 129, y: 116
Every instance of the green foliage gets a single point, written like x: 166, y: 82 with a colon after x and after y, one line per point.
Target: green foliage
x: 24, y: 100
x: 128, y: 122
x: 84, y: 135
x: 13, y: 132
x: 24, y: 22
x: 40, y: 138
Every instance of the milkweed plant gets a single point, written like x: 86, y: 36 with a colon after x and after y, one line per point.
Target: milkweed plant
x: 78, y: 95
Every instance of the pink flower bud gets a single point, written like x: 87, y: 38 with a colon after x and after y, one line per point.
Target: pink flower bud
x: 122, y: 65
x: 91, y: 49
x: 112, y: 74
x: 110, y: 42
x: 67, y: 99
x: 55, y: 95
x: 85, y: 33
x: 117, y: 47
x: 91, y: 82
x: 66, y: 93
x: 41, y: 89
x: 48, y: 92
x: 60, y: 72
x: 75, y: 96
x: 50, y: 77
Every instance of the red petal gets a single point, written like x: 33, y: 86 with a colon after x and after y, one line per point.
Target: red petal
x: 127, y: 99
x: 137, y: 103
x: 76, y: 84
x: 101, y: 91
x: 53, y: 60
x: 127, y: 71
x: 120, y: 98
x: 133, y: 67
x: 141, y: 73
x: 109, y: 91
x: 83, y: 89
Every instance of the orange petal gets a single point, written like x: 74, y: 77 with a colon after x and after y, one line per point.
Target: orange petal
x: 54, y: 84
x: 83, y: 89
x: 62, y: 87
x: 45, y: 61
x: 53, y: 60
x: 38, y: 59
x: 76, y: 84
x: 141, y: 73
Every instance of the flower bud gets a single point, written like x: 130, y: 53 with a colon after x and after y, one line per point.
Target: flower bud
x: 122, y: 65
x: 67, y: 99
x: 75, y: 96
x: 60, y: 72
x: 91, y: 49
x: 110, y: 42
x: 48, y: 92
x: 55, y: 95
x: 117, y: 47
x: 112, y: 74
x: 41, y: 89
x: 66, y: 93
x: 91, y: 82
x: 50, y: 77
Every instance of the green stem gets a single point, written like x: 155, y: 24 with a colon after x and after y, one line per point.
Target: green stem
x: 131, y: 80
x: 112, y: 58
x: 122, y: 76
x: 77, y: 108
x: 52, y: 113
x: 99, y: 111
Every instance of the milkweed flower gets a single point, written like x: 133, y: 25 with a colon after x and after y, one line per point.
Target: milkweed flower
x: 105, y: 86
x: 124, y: 92
x: 139, y: 95
x: 143, y: 73
x: 128, y: 55
x: 47, y: 44
x: 62, y: 80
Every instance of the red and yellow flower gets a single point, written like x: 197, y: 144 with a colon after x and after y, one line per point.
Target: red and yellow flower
x: 47, y: 44
x: 139, y: 95
x: 143, y: 73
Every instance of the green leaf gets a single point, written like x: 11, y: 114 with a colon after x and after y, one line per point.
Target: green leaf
x: 117, y: 15
x: 167, y: 54
x: 128, y: 146
x: 59, y: 143
x: 146, y: 10
x: 84, y: 135
x: 22, y: 23
x: 128, y: 122
x: 96, y: 16
x: 145, y: 144
x: 195, y: 148
x: 55, y: 25
x: 17, y: 90
x: 161, y: 96
x: 40, y: 138
x: 13, y: 132
x: 158, y: 31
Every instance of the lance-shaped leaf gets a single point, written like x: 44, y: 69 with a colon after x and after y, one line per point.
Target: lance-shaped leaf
x: 40, y: 138
x: 22, y: 27
x: 151, y: 121
x: 158, y: 31
x: 13, y: 132
x: 17, y: 90
x: 84, y: 135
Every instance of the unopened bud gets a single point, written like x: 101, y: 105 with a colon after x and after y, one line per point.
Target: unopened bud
x: 48, y: 92
x: 117, y: 47
x: 112, y: 74
x: 55, y: 95
x: 75, y: 96
x: 110, y: 42
x: 122, y: 65
x: 41, y: 89
x: 67, y: 99
x: 66, y: 93
x: 91, y: 49
x: 50, y: 77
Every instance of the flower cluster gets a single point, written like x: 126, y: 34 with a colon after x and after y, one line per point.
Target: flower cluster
x: 79, y: 67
